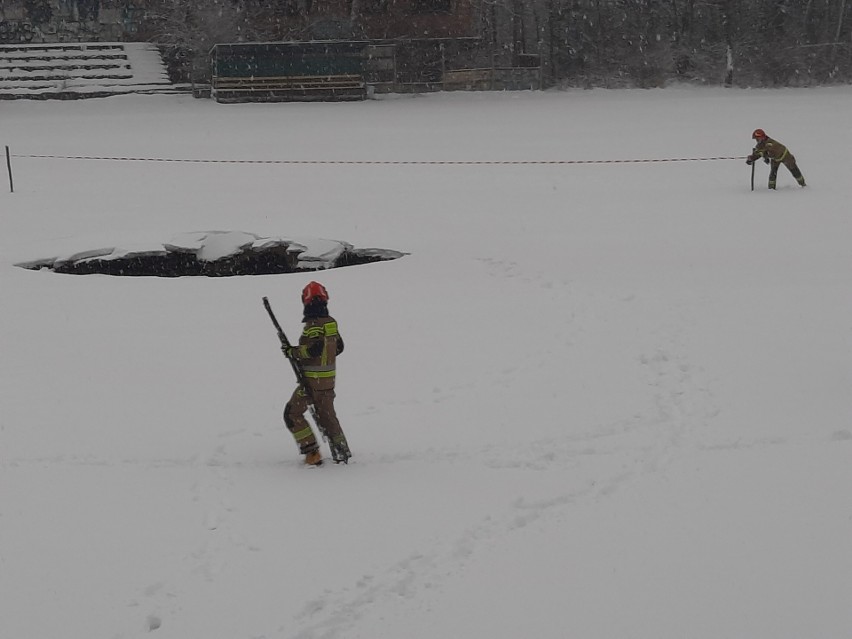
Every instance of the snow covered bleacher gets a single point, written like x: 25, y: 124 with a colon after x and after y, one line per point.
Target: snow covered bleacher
x: 81, y: 70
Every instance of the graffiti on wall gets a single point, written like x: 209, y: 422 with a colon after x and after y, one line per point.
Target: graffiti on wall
x: 16, y: 32
x: 38, y: 11
x: 132, y: 17
x: 80, y: 10
x: 23, y: 21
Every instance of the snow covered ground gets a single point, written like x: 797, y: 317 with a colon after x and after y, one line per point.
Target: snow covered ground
x: 598, y: 401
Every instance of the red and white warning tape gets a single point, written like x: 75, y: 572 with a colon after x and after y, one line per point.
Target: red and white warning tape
x: 391, y: 162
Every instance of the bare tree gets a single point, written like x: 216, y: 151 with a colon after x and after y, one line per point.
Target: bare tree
x: 840, y: 16
x: 580, y: 42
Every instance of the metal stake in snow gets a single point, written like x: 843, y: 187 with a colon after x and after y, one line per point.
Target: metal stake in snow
x: 9, y: 166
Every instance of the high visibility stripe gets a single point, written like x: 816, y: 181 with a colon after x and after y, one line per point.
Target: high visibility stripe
x: 330, y: 330
x: 303, y: 434
x: 324, y: 369
x: 327, y: 329
x: 318, y: 368
x: 783, y: 155
x: 319, y: 374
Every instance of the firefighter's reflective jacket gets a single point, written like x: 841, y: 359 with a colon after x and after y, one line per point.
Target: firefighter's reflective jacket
x: 319, y: 346
x: 771, y: 149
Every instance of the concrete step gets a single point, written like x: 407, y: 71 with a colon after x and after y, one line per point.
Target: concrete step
x: 63, y: 71
x: 64, y: 47
x: 45, y: 57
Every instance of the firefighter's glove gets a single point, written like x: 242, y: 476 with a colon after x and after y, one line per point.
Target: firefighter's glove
x: 749, y: 160
x: 766, y: 160
x: 289, y: 351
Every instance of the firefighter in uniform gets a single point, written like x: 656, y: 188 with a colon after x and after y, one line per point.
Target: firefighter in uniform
x: 317, y: 351
x: 775, y: 154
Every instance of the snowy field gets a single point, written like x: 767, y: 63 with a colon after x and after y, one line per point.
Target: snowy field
x: 595, y: 401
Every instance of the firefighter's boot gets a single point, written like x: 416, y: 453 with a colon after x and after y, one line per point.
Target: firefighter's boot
x: 313, y: 458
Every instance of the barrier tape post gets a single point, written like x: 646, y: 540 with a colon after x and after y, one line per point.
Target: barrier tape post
x: 9, y: 167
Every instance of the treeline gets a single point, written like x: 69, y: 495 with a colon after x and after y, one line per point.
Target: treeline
x: 736, y: 42
x: 589, y: 43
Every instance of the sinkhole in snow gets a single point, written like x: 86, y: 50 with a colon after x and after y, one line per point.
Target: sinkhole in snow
x: 215, y: 254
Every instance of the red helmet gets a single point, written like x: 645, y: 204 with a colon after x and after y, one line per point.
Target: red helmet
x: 759, y: 134
x: 313, y: 291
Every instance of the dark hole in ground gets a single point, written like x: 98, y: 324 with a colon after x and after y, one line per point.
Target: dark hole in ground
x: 257, y: 256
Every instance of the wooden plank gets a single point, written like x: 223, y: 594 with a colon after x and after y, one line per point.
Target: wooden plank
x: 285, y: 89
x: 293, y: 85
x: 299, y: 83
x: 288, y: 78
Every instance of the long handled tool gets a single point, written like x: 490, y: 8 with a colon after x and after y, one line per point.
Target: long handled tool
x: 297, y: 368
